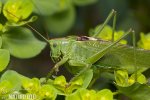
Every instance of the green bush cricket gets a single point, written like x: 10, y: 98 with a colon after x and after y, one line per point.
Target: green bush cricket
x: 81, y: 52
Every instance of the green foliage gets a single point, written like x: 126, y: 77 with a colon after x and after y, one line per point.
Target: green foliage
x: 13, y: 40
x: 81, y: 82
x: 83, y: 2
x: 31, y: 85
x: 61, y: 22
x: 21, y: 23
x: 134, y: 87
x: 16, y: 10
x: 0, y: 7
x: 121, y: 77
x: 144, y: 41
x: 47, y: 92
x: 5, y: 87
x: 20, y: 42
x: 123, y: 80
x: 106, y: 33
x: 136, y: 91
x: 1, y: 28
x: 0, y: 42
x: 139, y: 77
x: 54, y: 6
x: 4, y: 59
x: 61, y: 15
x: 105, y: 94
x: 84, y: 94
x: 14, y: 79
x: 11, y: 81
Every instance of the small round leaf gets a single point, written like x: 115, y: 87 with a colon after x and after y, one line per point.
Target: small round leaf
x: 14, y: 78
x: 53, y: 6
x: 22, y: 43
x: 47, y: 92
x: 105, y: 94
x: 4, y: 59
x: 16, y: 10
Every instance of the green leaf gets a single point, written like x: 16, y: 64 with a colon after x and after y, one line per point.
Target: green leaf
x: 121, y: 77
x: 16, y: 10
x: 22, y: 43
x: 10, y: 25
x: 47, y: 92
x: 0, y: 7
x: 105, y: 94
x: 60, y: 23
x: 144, y: 41
x: 21, y: 23
x: 5, y: 87
x: 14, y: 78
x: 87, y: 77
x: 53, y: 6
x: 82, y: 94
x: 81, y: 81
x: 1, y: 28
x: 74, y: 85
x: 106, y: 33
x: 84, y: 2
x: 60, y: 83
x: 0, y: 42
x: 139, y: 77
x: 31, y: 85
x: 136, y: 91
x: 4, y: 59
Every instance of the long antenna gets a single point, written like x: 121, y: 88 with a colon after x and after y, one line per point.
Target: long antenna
x: 28, y: 26
x: 41, y: 16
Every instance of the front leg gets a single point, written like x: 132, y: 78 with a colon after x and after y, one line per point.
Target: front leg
x: 56, y: 67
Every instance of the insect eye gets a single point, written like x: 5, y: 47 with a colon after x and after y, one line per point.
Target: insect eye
x: 54, y: 45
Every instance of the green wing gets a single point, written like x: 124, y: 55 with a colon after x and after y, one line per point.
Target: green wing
x: 120, y: 56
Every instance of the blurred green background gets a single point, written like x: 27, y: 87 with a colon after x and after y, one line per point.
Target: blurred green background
x: 77, y: 19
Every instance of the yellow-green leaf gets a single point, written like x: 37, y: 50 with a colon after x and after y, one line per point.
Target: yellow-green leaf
x: 105, y: 94
x: 16, y: 10
x: 121, y: 77
x: 47, y: 92
x: 60, y: 82
x: 139, y: 77
x: 106, y: 34
x: 22, y: 43
x: 144, y: 41
x: 53, y: 6
x: 4, y: 59
x: 0, y: 42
